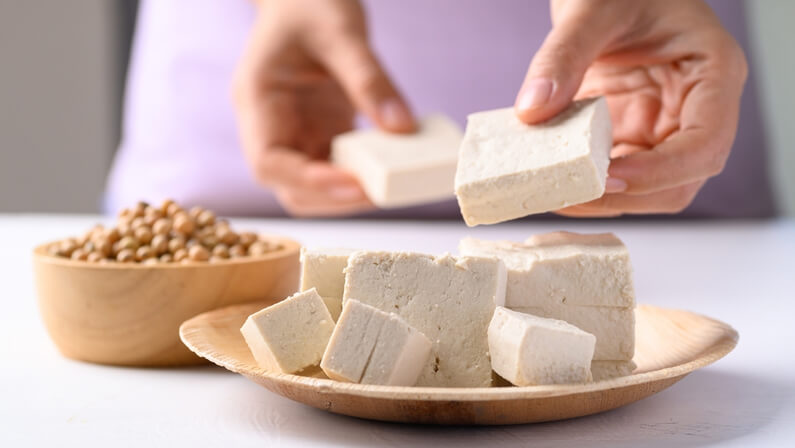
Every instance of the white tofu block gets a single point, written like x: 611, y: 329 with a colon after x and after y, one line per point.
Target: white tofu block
x: 322, y: 269
x: 605, y: 370
x: 528, y: 350
x: 398, y: 170
x: 508, y: 169
x: 351, y: 344
x: 449, y: 300
x: 562, y: 268
x: 370, y: 346
x: 290, y: 335
x: 614, y: 328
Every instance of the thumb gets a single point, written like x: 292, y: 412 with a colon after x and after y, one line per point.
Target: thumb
x: 352, y: 62
x: 557, y: 69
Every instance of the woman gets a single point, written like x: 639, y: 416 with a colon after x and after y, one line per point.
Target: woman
x: 300, y: 69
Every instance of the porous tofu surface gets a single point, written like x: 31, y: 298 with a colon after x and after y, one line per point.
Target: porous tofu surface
x: 449, y: 300
x: 370, y: 346
x: 562, y: 268
x: 508, y: 169
x: 529, y: 350
x: 321, y: 268
x: 290, y: 335
x: 605, y: 370
x: 614, y: 328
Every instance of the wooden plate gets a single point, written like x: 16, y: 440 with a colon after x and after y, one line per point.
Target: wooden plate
x: 669, y: 345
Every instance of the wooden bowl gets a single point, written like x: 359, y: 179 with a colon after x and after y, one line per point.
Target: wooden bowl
x: 669, y: 345
x: 129, y: 314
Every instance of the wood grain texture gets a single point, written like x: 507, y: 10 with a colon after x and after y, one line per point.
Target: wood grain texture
x: 129, y: 314
x: 670, y: 344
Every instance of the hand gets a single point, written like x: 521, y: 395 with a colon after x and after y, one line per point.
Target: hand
x: 673, y: 78
x: 306, y: 69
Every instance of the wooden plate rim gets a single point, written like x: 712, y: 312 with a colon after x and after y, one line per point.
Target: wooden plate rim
x: 194, y: 339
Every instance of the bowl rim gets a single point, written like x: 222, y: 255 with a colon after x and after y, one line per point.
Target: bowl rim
x: 289, y: 247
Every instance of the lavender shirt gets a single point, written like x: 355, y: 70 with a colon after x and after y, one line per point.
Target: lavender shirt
x: 450, y: 56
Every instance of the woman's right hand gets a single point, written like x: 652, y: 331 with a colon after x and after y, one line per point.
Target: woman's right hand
x: 307, y: 68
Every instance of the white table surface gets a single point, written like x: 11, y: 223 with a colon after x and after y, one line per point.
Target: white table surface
x: 742, y: 273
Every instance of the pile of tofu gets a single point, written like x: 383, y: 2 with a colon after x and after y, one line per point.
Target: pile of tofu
x: 555, y: 309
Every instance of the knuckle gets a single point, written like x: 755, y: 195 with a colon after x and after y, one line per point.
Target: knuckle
x: 238, y: 91
x: 729, y: 53
x: 244, y: 87
x: 337, y: 34
x: 555, y: 58
x: 369, y: 79
x: 292, y: 203
x: 683, y: 198
x: 263, y: 168
x: 740, y: 62
x: 716, y: 163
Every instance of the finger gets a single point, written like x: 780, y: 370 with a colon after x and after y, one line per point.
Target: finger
x: 288, y: 169
x: 697, y: 151
x: 673, y: 200
x: 708, y: 123
x: 557, y: 69
x: 573, y: 212
x: 624, y: 149
x: 644, y: 102
x: 317, y: 188
x: 314, y: 203
x: 267, y: 140
x: 352, y: 62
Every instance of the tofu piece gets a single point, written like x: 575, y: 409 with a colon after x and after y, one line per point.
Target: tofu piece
x: 605, y: 370
x: 528, y: 350
x: 562, y: 268
x: 449, y: 300
x: 322, y: 269
x: 508, y: 169
x: 398, y: 170
x: 614, y: 328
x: 290, y: 335
x: 334, y: 306
x: 370, y: 346
x: 348, y: 353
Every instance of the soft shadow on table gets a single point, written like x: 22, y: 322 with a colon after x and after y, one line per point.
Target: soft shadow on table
x: 704, y: 408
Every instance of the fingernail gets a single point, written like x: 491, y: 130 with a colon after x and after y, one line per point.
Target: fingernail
x: 614, y: 185
x: 346, y: 193
x: 395, y: 116
x: 535, y: 94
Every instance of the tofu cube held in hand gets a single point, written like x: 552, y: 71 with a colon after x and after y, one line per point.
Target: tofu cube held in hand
x: 290, y: 335
x: 529, y: 350
x: 508, y: 169
x: 370, y: 346
x: 398, y: 170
